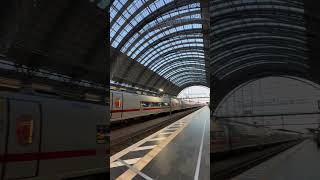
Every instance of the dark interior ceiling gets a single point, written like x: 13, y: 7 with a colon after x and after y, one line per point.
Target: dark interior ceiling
x: 63, y: 36
x: 257, y: 38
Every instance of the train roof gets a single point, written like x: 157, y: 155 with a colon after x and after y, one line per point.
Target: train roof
x: 133, y: 92
x: 40, y: 96
x: 289, y: 131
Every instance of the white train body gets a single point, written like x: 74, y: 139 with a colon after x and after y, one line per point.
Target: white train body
x: 50, y: 138
x: 124, y: 105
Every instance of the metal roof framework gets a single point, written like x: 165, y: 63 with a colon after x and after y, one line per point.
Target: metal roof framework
x: 42, y: 42
x: 167, y: 37
x: 256, y: 38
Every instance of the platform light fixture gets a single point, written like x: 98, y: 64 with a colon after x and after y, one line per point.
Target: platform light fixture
x: 161, y: 90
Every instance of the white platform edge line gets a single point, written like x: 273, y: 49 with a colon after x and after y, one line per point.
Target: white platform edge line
x: 130, y: 148
x: 196, y: 176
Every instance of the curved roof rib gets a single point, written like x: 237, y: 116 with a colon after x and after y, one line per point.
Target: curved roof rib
x: 254, y: 38
x: 247, y: 32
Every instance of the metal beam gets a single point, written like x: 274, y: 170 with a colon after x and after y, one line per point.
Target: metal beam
x: 162, y: 31
x: 264, y: 115
x: 169, y: 39
x: 172, y: 46
x: 185, y: 60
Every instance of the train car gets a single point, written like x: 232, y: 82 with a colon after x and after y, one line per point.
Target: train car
x: 232, y: 135
x: 125, y: 105
x: 47, y: 137
x: 318, y: 138
x: 218, y: 137
x: 189, y: 104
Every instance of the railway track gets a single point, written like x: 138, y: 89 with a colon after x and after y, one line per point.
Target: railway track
x: 226, y: 169
x: 123, y: 137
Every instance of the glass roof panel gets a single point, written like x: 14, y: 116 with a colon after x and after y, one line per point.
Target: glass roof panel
x: 170, y: 36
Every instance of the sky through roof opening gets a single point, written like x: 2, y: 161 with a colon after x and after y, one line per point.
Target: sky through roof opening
x: 199, y: 94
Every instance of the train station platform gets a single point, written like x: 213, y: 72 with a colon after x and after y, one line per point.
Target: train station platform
x: 299, y: 162
x: 179, y: 151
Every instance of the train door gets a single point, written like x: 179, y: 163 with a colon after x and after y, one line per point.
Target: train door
x: 23, y: 140
x: 117, y: 106
x: 318, y: 138
x: 3, y: 131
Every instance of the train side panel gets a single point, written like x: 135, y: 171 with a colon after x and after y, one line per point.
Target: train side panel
x: 23, y: 138
x: 230, y: 136
x: 125, y: 105
x: 131, y: 106
x: 69, y: 135
x: 135, y: 105
x: 175, y: 104
x: 152, y: 105
x: 165, y: 105
x: 49, y: 138
x: 116, y: 106
x: 3, y: 130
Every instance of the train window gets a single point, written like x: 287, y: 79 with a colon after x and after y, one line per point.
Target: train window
x: 117, y: 103
x: 164, y: 104
x: 24, y: 129
x: 218, y: 134
x: 145, y: 104
x: 155, y: 104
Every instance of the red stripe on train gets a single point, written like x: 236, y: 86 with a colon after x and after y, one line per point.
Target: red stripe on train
x: 124, y: 110
x: 218, y: 141
x: 46, y: 155
x: 151, y: 108
x: 132, y: 110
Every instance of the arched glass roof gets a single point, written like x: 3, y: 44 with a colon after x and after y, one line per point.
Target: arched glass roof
x: 251, y: 39
x: 166, y: 36
x: 248, y: 34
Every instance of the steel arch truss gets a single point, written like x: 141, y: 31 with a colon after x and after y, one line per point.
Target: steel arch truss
x: 166, y: 36
x: 256, y: 38
x: 270, y: 32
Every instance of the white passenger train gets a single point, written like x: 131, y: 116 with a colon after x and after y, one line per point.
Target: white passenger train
x: 49, y: 138
x: 124, y: 105
x: 227, y: 136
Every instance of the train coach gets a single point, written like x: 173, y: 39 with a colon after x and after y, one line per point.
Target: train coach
x: 125, y: 105
x: 46, y: 137
x: 232, y: 135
